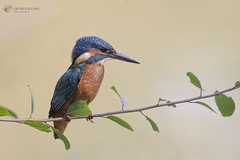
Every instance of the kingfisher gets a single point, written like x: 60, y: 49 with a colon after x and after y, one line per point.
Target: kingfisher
x: 83, y: 78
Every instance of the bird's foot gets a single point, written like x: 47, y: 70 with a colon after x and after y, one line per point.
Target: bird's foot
x: 67, y: 118
x: 89, y: 117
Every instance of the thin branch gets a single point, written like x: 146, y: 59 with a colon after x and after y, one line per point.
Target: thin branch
x: 122, y: 111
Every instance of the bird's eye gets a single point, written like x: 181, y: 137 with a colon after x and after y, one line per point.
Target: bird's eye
x: 108, y: 51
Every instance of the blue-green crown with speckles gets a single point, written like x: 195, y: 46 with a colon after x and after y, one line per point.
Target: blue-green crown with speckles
x: 86, y: 43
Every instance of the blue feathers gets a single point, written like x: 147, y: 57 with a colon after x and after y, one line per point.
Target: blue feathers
x: 86, y: 43
x: 65, y: 87
x: 82, y: 66
x: 96, y: 58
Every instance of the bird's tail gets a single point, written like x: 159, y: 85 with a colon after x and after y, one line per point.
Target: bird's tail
x: 61, y: 126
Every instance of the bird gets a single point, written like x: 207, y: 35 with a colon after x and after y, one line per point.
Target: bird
x: 83, y: 78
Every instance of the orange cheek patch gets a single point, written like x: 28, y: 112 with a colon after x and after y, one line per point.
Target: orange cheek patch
x: 94, y: 52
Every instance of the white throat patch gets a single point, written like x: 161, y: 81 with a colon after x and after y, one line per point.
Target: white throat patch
x: 103, y: 60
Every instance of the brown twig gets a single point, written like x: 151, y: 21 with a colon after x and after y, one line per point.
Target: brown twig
x: 121, y: 111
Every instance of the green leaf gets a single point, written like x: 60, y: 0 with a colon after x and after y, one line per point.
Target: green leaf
x: 4, y: 112
x: 62, y: 137
x: 79, y: 108
x: 32, y: 100
x: 123, y: 101
x: 120, y: 122
x: 11, y: 113
x: 153, y: 124
x: 237, y: 84
x: 194, y: 80
x: 115, y: 90
x: 173, y: 105
x: 225, y: 104
x: 38, y: 125
x: 91, y: 120
x: 205, y: 105
x: 161, y: 99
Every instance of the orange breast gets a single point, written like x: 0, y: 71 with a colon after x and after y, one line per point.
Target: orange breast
x: 88, y: 87
x: 89, y: 83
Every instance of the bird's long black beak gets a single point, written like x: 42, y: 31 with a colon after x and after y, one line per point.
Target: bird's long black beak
x: 122, y: 57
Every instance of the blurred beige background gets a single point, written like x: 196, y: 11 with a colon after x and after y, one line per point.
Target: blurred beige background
x: 168, y: 37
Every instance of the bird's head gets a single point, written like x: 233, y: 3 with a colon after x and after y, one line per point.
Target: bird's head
x: 93, y: 49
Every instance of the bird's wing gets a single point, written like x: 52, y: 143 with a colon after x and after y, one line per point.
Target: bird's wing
x: 64, y: 89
